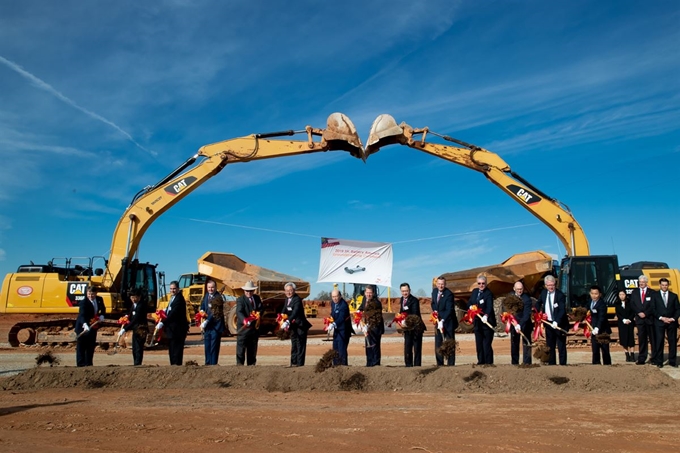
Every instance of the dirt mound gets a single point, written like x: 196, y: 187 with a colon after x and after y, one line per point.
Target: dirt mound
x: 461, y: 379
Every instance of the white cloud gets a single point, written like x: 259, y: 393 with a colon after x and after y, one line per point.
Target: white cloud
x: 47, y: 87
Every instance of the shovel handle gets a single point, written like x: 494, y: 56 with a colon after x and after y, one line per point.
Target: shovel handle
x: 556, y: 328
x: 485, y: 322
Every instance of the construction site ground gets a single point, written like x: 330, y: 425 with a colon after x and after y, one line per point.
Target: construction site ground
x: 114, y: 406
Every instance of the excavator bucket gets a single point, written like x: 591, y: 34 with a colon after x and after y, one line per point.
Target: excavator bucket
x: 384, y: 131
x: 340, y: 134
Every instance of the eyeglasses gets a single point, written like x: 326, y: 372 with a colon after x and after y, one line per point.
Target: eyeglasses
x: 249, y: 290
x: 481, y: 283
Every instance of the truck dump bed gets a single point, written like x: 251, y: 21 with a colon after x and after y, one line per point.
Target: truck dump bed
x: 530, y: 267
x: 232, y: 272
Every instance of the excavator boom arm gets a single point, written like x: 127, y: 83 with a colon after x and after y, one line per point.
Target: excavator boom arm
x: 153, y: 201
x: 554, y: 214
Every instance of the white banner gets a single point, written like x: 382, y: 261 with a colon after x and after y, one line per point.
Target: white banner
x: 346, y: 261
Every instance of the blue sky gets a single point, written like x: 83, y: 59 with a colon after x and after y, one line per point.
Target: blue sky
x: 99, y: 99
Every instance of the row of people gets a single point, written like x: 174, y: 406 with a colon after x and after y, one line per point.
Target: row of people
x: 655, y: 313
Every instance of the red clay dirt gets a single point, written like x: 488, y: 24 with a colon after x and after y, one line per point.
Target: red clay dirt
x: 116, y: 407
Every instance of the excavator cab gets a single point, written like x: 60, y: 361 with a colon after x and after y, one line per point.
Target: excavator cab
x: 137, y: 275
x: 579, y: 273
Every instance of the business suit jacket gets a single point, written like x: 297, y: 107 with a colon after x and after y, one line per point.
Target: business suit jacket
x: 176, y: 324
x: 411, y: 307
x: 380, y: 329
x: 296, y: 314
x: 137, y: 319
x: 243, y: 309
x: 446, y: 310
x: 639, y: 307
x: 215, y: 323
x: 86, y: 312
x: 559, y: 307
x: 598, y: 316
x: 625, y: 312
x: 483, y: 300
x: 524, y: 318
x: 671, y: 311
x: 341, y: 318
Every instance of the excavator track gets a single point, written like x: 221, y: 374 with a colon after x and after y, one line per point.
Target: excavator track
x: 58, y: 332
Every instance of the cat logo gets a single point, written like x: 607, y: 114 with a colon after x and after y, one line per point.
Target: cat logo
x: 631, y: 283
x: 525, y: 195
x: 176, y: 187
x: 76, y: 293
x: 77, y: 288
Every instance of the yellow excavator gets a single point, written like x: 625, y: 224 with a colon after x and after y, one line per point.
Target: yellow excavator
x: 53, y: 291
x: 45, y: 298
x: 578, y: 270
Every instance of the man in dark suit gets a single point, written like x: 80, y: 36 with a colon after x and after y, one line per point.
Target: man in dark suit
x: 641, y: 302
x: 553, y: 304
x: 413, y: 339
x: 482, y: 297
x: 299, y: 326
x: 524, y: 325
x: 600, y: 323
x: 137, y: 325
x: 447, y: 321
x: 666, y: 311
x: 176, y: 324
x: 342, y: 327
x: 248, y: 333
x: 213, y: 326
x: 90, y: 312
x: 374, y: 333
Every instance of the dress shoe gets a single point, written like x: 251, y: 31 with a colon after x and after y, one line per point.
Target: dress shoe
x: 673, y: 365
x: 639, y: 363
x: 659, y: 365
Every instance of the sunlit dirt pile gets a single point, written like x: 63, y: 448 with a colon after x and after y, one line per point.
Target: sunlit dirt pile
x: 459, y: 379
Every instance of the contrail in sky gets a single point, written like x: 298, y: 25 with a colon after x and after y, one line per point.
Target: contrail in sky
x: 47, y: 87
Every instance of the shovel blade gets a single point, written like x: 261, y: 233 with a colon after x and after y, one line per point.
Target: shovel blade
x: 340, y: 134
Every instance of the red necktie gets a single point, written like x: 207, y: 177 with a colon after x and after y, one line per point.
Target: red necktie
x: 642, y: 295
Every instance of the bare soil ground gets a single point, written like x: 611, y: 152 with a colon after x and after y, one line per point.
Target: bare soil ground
x: 114, y: 406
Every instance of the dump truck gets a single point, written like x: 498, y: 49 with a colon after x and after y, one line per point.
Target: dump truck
x: 529, y: 267
x: 230, y: 273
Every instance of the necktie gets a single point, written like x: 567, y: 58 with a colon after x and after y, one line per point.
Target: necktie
x: 642, y: 295
x: 252, y: 302
x: 167, y: 310
x: 665, y: 300
x: 550, y: 305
